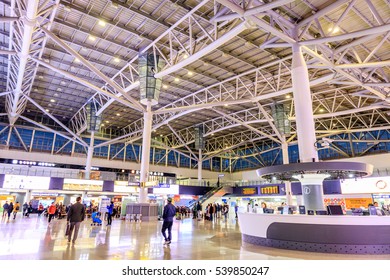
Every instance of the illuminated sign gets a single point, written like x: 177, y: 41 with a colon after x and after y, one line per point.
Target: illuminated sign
x: 77, y: 184
x: 269, y: 190
x: 366, y: 185
x: 26, y: 182
x: 173, y: 189
x: 248, y: 191
x: 149, y: 184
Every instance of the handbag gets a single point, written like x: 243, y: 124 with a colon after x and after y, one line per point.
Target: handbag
x: 67, y: 230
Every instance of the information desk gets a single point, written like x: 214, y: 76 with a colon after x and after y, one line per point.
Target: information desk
x: 327, y: 234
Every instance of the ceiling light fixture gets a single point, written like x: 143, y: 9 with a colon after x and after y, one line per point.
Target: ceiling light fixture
x: 288, y: 96
x: 185, y: 56
x: 92, y: 38
x: 47, y: 110
x: 189, y: 73
x: 118, y: 114
x: 52, y: 100
x: 165, y: 86
x: 77, y: 60
x: 102, y: 23
x: 177, y: 79
x: 117, y: 59
x: 321, y: 110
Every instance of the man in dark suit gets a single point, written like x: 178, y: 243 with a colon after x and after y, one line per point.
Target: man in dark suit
x: 76, y: 215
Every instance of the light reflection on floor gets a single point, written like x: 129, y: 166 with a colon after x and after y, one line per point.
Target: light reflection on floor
x: 33, y: 238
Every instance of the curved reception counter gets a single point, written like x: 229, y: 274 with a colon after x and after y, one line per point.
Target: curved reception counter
x: 326, y: 234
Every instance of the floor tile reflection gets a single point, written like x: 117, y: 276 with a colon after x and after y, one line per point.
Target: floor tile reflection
x: 34, y: 238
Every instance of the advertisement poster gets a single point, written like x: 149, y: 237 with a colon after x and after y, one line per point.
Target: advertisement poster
x: 357, y: 202
x: 26, y: 182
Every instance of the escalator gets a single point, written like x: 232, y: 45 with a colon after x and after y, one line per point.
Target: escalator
x: 208, y: 195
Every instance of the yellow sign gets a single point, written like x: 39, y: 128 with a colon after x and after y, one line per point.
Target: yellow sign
x: 149, y: 184
x: 249, y: 191
x: 270, y: 190
x: 357, y: 202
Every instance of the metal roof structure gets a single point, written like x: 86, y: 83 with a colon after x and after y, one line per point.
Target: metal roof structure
x: 228, y: 63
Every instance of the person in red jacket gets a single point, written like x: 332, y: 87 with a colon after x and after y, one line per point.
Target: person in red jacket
x: 51, y: 211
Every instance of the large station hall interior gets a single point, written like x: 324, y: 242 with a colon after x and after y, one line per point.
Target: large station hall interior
x: 265, y: 123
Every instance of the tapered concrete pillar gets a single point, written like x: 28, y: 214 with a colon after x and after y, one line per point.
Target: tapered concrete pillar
x: 89, y: 157
x: 286, y: 183
x: 200, y: 167
x: 145, y: 157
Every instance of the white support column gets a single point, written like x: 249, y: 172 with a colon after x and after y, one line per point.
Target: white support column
x: 32, y: 141
x: 303, y: 107
x: 73, y: 146
x: 200, y: 166
x: 54, y: 143
x: 27, y: 198
x: 286, y: 183
x: 146, y: 137
x: 312, y: 191
x: 89, y: 157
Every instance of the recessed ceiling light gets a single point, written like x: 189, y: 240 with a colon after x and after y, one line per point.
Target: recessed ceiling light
x: 177, y: 79
x: 50, y: 105
x: 84, y: 49
x: 52, y: 100
x: 56, y: 94
x: 114, y: 5
x: 102, y: 124
x: 35, y: 89
x: 28, y: 111
x: 154, y: 130
x: 321, y: 110
x: 161, y: 135
x: 64, y: 117
x: 185, y: 56
x: 165, y: 86
x: 70, y: 109
x: 77, y: 60
x: 67, y: 8
x: 116, y: 59
x: 212, y: 134
x: 59, y: 89
x: 40, y: 77
x: 47, y: 60
x: 102, y: 23
x: 47, y: 110
x: 226, y: 105
x: 63, y: 83
x: 107, y: 121
x: 92, y: 38
x: 118, y: 114
x: 189, y: 73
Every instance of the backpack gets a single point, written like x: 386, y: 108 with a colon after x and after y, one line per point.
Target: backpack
x: 17, y: 208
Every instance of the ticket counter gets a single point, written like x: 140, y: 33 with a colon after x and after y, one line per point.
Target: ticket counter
x: 327, y: 234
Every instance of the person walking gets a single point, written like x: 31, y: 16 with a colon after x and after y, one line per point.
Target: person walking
x: 76, y: 215
x: 110, y: 211
x: 168, y: 214
x: 10, y: 209
x: 51, y: 211
x: 16, y: 209
x: 5, y: 209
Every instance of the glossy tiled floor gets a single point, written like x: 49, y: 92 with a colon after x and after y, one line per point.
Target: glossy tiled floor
x: 32, y: 238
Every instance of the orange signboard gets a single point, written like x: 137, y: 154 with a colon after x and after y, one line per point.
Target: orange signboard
x: 249, y: 191
x: 357, y: 202
x: 270, y: 190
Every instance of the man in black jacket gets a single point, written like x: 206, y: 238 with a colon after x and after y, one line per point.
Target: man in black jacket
x: 168, y: 214
x: 76, y: 215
